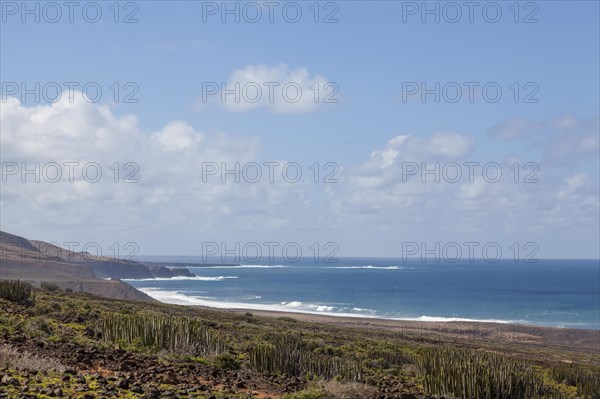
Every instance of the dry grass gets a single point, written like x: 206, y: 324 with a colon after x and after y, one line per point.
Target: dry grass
x: 354, y: 390
x: 13, y: 358
x: 335, y: 390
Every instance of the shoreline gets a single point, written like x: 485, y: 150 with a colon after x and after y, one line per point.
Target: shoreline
x: 570, y: 339
x: 271, y: 308
x: 523, y: 318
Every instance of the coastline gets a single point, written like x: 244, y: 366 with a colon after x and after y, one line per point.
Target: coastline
x: 481, y: 294
x: 568, y: 339
x: 175, y: 298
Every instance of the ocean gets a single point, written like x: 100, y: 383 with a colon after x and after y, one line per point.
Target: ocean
x: 559, y: 293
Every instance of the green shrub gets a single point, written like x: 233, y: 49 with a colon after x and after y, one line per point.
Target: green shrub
x: 310, y: 393
x: 52, y: 287
x: 227, y: 361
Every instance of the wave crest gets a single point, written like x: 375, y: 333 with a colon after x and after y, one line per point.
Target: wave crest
x: 180, y: 278
x: 246, y: 267
x: 373, y: 267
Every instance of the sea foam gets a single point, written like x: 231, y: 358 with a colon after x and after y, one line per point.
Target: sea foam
x: 180, y: 278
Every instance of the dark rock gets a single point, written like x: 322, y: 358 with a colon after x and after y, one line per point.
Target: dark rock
x: 152, y: 393
x: 122, y: 383
x: 136, y: 389
x: 8, y: 380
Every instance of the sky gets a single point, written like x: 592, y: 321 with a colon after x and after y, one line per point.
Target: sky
x: 332, y: 113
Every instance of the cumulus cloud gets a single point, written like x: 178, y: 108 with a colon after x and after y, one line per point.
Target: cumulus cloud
x: 402, y: 148
x: 410, y: 185
x: 163, y: 169
x: 277, y: 89
x: 177, y: 136
x: 396, y: 177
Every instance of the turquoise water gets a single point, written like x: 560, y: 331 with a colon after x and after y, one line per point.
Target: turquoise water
x: 564, y: 293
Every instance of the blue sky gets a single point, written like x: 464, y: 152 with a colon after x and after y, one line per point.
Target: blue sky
x: 369, y: 53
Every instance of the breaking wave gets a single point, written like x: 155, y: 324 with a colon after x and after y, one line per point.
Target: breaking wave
x: 181, y: 278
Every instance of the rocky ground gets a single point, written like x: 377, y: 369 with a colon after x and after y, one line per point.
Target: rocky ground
x: 55, y: 349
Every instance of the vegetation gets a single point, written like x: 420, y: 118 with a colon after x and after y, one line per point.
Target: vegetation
x: 11, y: 357
x: 587, y: 382
x: 113, y: 348
x: 333, y: 390
x: 476, y: 374
x: 176, y: 334
x: 289, y: 355
x: 45, y: 285
x: 17, y: 291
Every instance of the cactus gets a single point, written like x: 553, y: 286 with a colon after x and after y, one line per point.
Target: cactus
x: 17, y: 291
x: 475, y: 374
x: 175, y: 334
x: 586, y: 381
x: 289, y: 355
x: 391, y: 357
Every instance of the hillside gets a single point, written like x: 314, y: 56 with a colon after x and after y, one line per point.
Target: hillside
x: 37, y: 261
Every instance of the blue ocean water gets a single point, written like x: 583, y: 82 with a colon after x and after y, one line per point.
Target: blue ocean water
x: 562, y: 293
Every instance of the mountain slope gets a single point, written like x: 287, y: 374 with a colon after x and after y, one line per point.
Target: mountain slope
x: 38, y: 261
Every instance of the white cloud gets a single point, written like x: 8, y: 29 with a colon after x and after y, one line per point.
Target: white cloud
x: 278, y: 89
x: 404, y: 148
x: 451, y: 145
x: 573, y: 184
x: 472, y: 191
x: 413, y: 204
x: 168, y: 163
x: 177, y: 136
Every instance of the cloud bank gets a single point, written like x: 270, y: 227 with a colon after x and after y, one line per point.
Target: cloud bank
x: 381, y: 194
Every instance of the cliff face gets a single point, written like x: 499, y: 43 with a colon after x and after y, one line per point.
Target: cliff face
x: 41, y: 257
x: 38, y: 261
x: 134, y: 270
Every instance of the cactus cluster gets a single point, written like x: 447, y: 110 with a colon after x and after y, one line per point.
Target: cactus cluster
x: 17, y: 291
x: 475, y: 374
x: 175, y: 334
x: 289, y: 355
x: 586, y: 381
x: 391, y: 357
